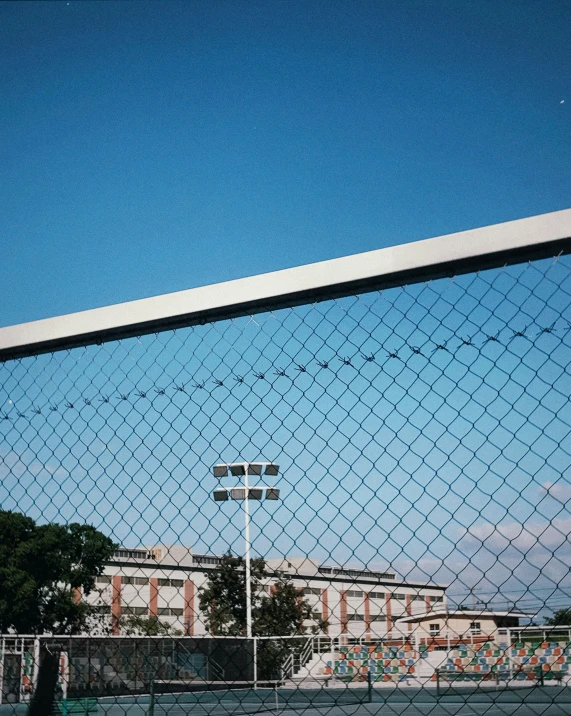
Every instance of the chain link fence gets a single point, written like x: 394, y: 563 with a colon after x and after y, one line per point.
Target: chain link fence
x: 362, y: 498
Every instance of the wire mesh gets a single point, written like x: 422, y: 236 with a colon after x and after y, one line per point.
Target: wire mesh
x: 416, y: 535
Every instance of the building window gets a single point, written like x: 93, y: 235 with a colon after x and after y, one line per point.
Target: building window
x: 133, y: 554
x: 204, y: 559
x: 376, y: 595
x: 434, y: 629
x: 103, y: 579
x: 418, y: 598
x: 378, y: 618
x: 400, y: 597
x: 354, y: 593
x: 436, y: 599
x: 136, y: 580
x: 135, y: 611
x: 171, y: 583
x: 101, y: 609
x: 311, y: 590
x: 169, y: 612
x: 356, y: 572
x: 475, y: 628
x: 359, y: 573
x: 356, y: 618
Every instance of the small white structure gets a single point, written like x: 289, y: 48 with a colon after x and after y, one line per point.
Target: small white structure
x: 444, y: 628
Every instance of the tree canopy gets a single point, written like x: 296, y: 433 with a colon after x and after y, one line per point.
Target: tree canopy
x: 283, y: 612
x: 135, y: 625
x: 223, y: 600
x: 41, y: 567
x: 562, y: 617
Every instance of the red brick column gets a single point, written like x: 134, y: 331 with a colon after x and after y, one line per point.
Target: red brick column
x: 343, y: 612
x: 409, y: 609
x: 325, y: 608
x: 367, y: 610
x: 76, y: 592
x: 428, y: 604
x: 189, y: 613
x: 388, y: 610
x: 153, y: 597
x: 116, y: 603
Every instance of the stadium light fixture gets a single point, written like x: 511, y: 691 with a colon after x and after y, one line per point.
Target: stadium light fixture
x: 222, y: 494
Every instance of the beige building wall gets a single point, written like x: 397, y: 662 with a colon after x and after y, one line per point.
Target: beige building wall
x: 455, y: 627
x: 358, y: 609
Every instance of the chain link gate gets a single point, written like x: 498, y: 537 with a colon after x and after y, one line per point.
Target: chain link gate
x: 343, y: 491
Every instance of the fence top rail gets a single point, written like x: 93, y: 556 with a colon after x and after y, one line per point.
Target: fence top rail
x: 487, y: 247
x: 157, y: 637
x: 542, y: 627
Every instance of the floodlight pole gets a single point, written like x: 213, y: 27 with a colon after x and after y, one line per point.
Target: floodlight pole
x: 272, y: 493
x: 247, y: 553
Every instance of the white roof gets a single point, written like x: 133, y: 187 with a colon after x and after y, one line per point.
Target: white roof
x: 459, y: 613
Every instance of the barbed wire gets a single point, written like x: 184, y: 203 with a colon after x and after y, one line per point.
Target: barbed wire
x: 503, y: 337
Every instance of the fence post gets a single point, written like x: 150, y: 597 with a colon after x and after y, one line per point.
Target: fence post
x: 370, y: 685
x: 255, y: 663
x: 151, y: 711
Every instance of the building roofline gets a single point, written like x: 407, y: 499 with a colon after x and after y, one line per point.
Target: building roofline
x: 461, y: 613
x: 543, y: 627
x: 307, y: 577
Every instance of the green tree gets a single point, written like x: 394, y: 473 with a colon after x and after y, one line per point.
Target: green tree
x: 285, y: 613
x: 223, y: 600
x: 282, y: 613
x: 134, y: 625
x: 41, y: 567
x: 560, y: 617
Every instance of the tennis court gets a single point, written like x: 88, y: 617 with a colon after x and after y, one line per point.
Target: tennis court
x: 550, y: 701
x: 472, y: 701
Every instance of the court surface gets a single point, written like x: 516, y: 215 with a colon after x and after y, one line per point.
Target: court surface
x: 397, y: 702
x: 375, y: 709
x: 409, y: 702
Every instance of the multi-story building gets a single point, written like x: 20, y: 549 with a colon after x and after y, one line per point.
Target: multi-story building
x: 164, y: 581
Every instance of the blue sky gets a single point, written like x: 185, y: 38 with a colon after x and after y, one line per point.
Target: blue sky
x: 149, y: 147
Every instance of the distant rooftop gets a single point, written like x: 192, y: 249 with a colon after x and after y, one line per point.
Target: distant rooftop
x: 181, y: 555
x: 355, y: 572
x: 459, y: 613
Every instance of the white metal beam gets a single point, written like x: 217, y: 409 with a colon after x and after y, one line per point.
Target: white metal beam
x: 510, y: 242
